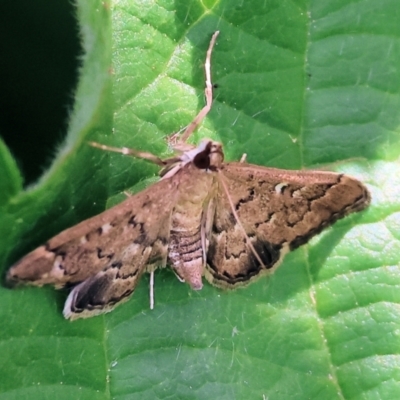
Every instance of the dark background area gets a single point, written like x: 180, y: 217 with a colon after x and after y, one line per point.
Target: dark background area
x: 39, y: 61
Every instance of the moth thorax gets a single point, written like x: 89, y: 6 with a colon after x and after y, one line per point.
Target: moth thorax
x: 210, y: 157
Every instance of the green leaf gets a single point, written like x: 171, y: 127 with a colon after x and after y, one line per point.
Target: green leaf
x: 299, y: 84
x: 11, y: 182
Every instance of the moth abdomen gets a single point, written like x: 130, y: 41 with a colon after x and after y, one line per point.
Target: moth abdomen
x: 185, y: 255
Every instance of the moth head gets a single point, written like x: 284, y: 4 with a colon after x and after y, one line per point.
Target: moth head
x: 209, y: 155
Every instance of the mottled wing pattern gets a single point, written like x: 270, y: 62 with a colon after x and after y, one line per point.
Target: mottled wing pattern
x: 279, y: 210
x: 104, y: 255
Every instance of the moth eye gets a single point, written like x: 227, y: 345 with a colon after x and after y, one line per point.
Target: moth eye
x: 202, y: 160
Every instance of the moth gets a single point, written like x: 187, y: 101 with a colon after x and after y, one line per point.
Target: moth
x: 230, y: 222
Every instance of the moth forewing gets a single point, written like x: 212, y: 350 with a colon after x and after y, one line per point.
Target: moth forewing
x: 105, y: 254
x: 279, y: 210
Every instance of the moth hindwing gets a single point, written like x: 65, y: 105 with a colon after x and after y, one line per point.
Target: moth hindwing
x: 231, y: 222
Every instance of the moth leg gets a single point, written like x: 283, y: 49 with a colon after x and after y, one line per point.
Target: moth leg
x: 131, y: 152
x: 206, y: 226
x: 204, y: 242
x: 243, y: 159
x: 152, y: 290
x: 180, y: 279
x: 177, y: 141
x: 161, y: 263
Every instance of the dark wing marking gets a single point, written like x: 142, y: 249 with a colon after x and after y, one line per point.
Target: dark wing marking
x: 279, y: 210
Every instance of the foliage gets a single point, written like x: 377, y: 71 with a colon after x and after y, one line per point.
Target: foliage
x: 299, y: 84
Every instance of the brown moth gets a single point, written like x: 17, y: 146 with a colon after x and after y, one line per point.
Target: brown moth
x: 232, y: 222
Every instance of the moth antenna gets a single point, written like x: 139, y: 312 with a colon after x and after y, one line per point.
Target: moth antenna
x: 208, y: 93
x: 248, y: 242
x: 130, y: 152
